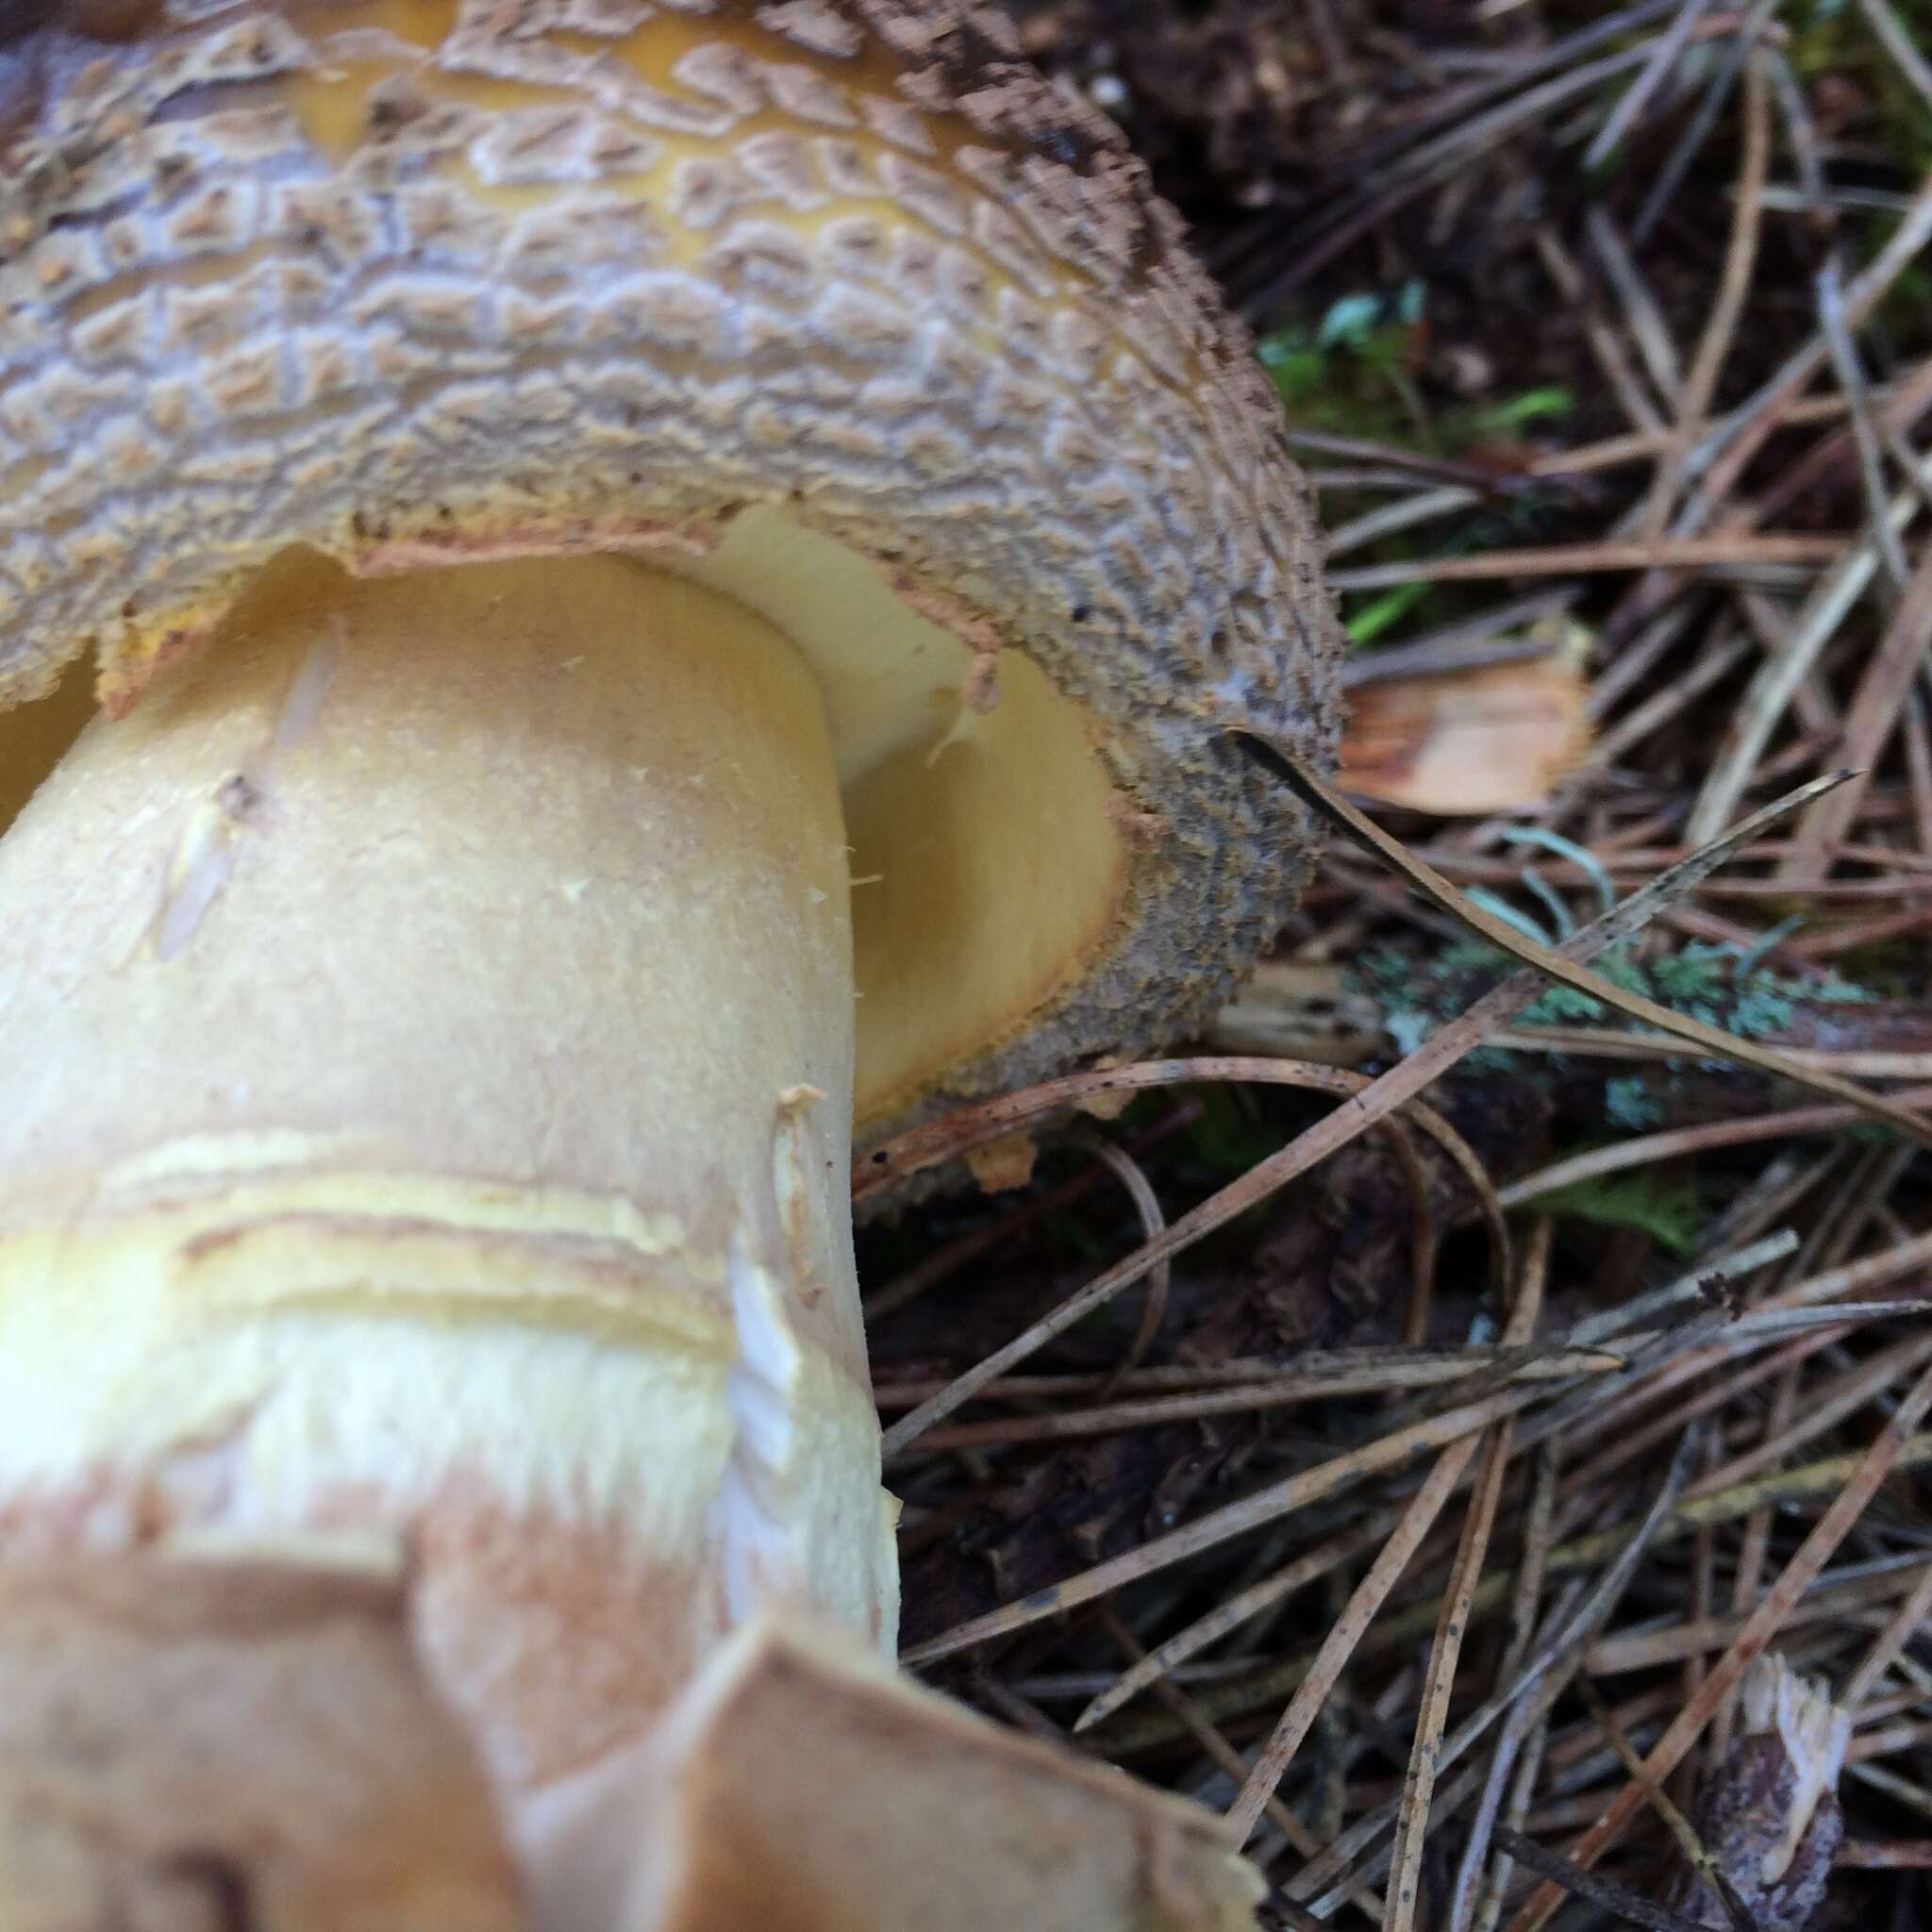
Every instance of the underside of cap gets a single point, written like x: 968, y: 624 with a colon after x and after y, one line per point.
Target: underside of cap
x: 413, y: 282
x: 801, y: 1784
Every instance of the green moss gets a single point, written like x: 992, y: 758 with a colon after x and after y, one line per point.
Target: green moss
x: 1353, y: 373
x: 1698, y: 979
x: 1563, y: 1005
x: 1356, y: 371
x: 1838, y: 991
x: 1830, y: 37
x: 1628, y: 1103
x: 1350, y: 374
x: 1760, y: 1010
x: 1670, y: 1213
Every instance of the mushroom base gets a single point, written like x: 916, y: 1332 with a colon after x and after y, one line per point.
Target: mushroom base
x: 192, y: 1746
x: 424, y: 1096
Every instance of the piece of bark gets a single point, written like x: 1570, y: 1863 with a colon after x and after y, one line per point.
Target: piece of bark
x: 1768, y: 1817
x: 1467, y: 743
x: 231, y: 1746
x: 802, y: 1784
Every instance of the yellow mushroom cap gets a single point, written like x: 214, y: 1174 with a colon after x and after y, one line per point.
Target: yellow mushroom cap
x: 418, y: 281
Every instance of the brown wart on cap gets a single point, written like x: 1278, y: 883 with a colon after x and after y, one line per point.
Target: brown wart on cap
x: 701, y: 554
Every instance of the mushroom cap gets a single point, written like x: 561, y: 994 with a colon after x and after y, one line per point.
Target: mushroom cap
x: 421, y: 281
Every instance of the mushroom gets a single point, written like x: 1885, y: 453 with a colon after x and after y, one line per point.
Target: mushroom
x: 247, y: 1745
x: 669, y: 582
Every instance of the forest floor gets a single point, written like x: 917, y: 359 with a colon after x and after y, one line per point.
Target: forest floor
x: 1428, y: 1510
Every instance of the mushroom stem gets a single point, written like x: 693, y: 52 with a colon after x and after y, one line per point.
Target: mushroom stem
x: 425, y: 1098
